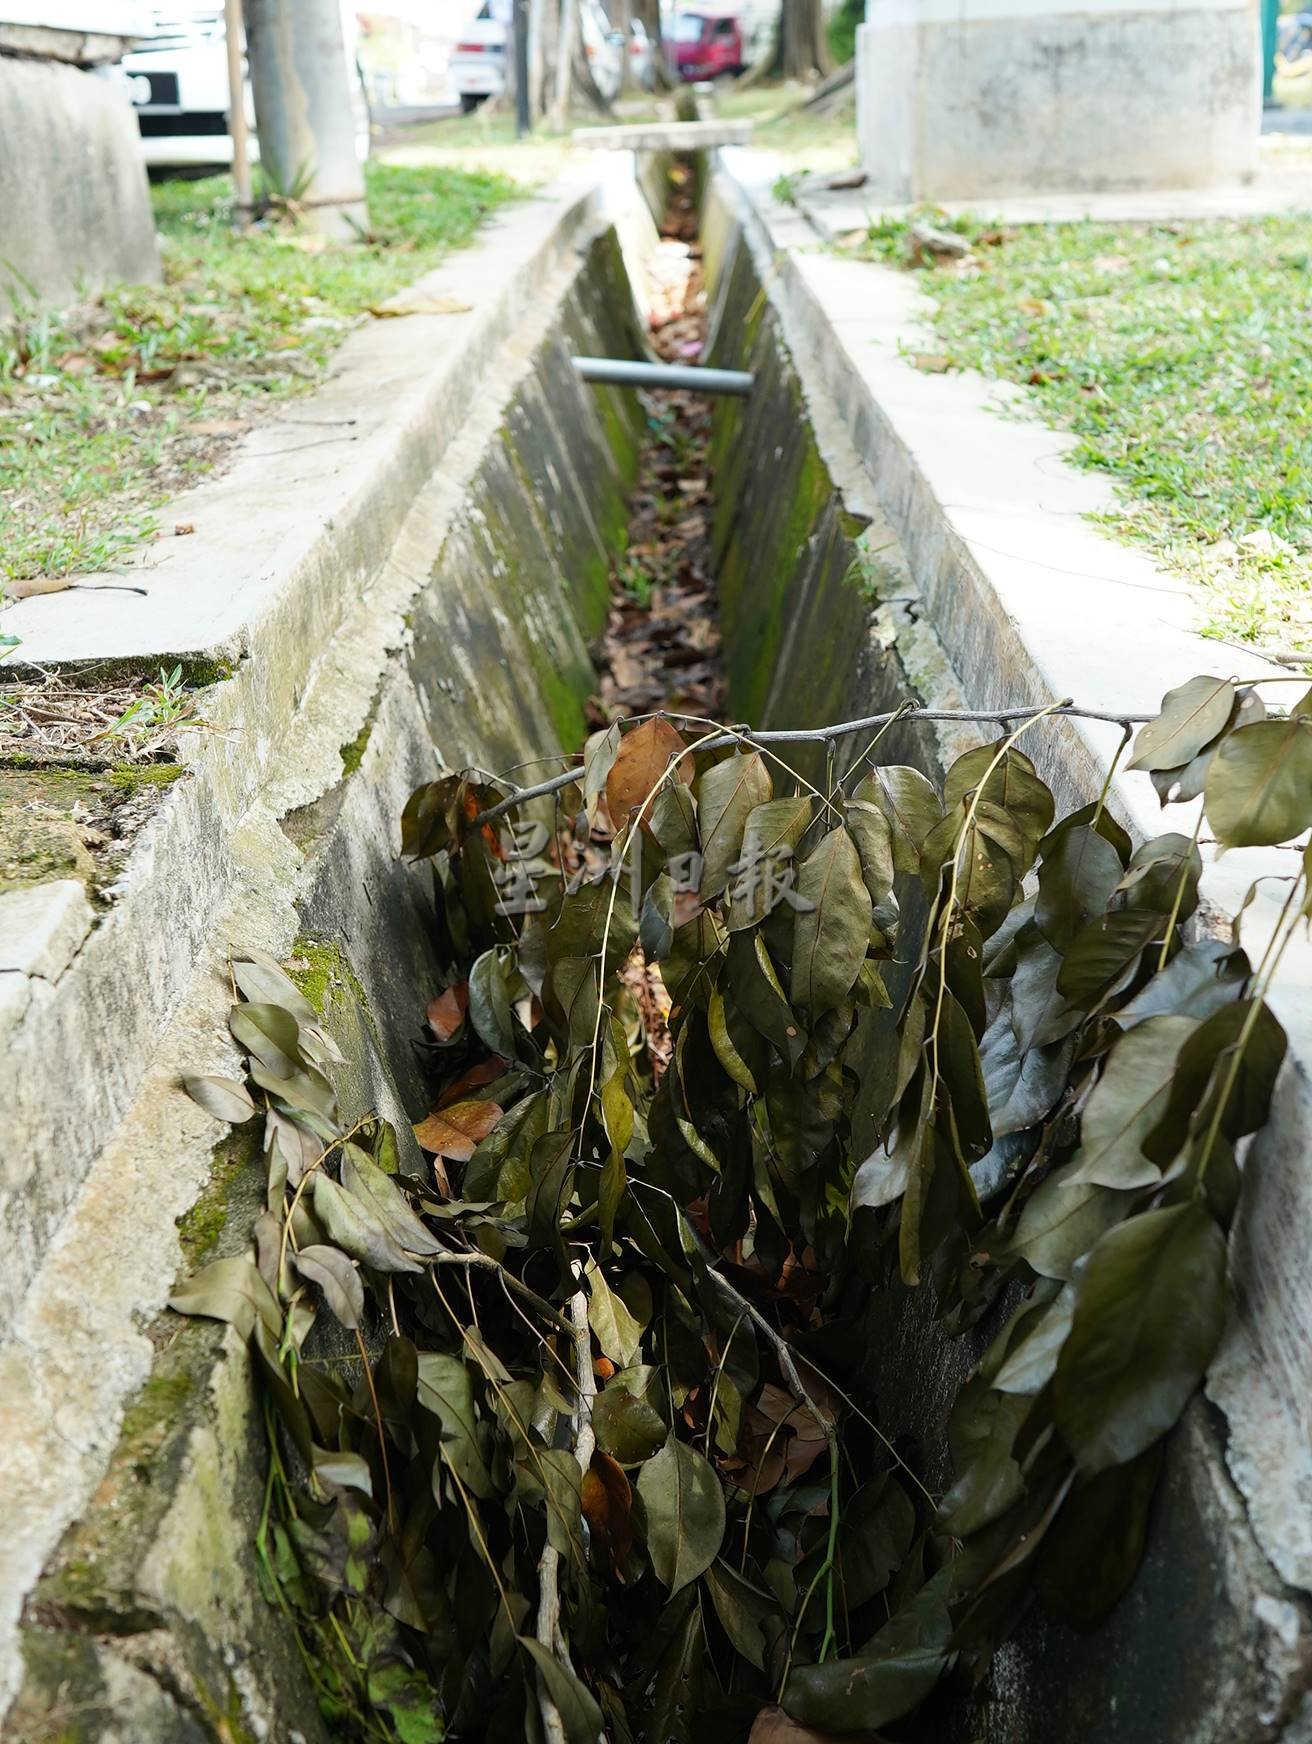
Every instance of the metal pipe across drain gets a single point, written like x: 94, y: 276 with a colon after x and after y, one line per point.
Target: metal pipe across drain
x: 625, y: 372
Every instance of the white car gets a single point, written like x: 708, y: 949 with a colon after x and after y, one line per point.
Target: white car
x: 478, y: 61
x: 478, y: 64
x: 177, y: 82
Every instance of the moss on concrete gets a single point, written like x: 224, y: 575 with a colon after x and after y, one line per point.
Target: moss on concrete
x: 73, y: 823
x: 321, y: 971
x: 235, y: 1179
x: 352, y: 754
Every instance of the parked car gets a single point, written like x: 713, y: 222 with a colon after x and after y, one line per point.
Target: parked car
x: 707, y: 45
x: 478, y: 65
x: 641, y: 60
x: 177, y: 81
x: 478, y: 62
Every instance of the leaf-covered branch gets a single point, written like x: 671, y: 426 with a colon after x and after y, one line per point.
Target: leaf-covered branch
x: 718, y: 1065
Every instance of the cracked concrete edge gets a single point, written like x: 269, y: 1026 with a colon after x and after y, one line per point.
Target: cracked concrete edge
x: 313, y: 667
x: 42, y: 928
x: 993, y: 526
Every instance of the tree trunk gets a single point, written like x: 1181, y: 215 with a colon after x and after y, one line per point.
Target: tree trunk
x: 301, y: 82
x: 801, y: 50
x: 648, y: 13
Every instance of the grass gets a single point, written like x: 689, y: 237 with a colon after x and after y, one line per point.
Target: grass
x: 108, y: 410
x: 1178, y: 356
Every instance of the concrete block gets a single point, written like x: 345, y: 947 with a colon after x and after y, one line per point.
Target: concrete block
x: 74, y: 205
x: 42, y: 927
x: 972, y: 99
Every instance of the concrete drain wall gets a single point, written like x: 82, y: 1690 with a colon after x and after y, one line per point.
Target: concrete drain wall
x: 1210, y: 1646
x: 147, y: 1623
x: 145, y: 1620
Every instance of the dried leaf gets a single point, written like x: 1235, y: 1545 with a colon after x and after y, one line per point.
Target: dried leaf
x: 646, y: 755
x: 456, y: 1130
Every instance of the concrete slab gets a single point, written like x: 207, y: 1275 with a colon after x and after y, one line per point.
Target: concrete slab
x: 41, y: 928
x: 664, y: 136
x: 1277, y: 188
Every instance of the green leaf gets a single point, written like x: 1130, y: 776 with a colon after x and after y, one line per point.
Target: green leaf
x: 1204, y: 1067
x: 354, y: 1225
x: 685, y: 1513
x: 1259, y: 788
x: 271, y: 1036
x: 1029, y: 1365
x: 446, y: 1389
x: 830, y: 933
x: 1104, y: 954
x: 726, y: 795
x: 1062, y: 1220
x: 1012, y: 787
x: 1076, y: 881
x: 336, y: 1277
x: 1093, y: 1551
x: 1127, y: 1102
x: 741, y: 1608
x: 362, y: 1177
x: 224, y: 1098
x: 231, y: 1290
x: 573, y: 1701
x: 618, y: 1334
x: 892, y: 1675
x: 723, y: 1044
x: 627, y: 1426
x: 1199, y: 980
x: 759, y: 995
x: 1192, y: 715
x: 873, y: 836
x: 771, y: 832
x: 490, y: 985
x: 911, y: 806
x: 548, y: 1197
x: 1150, y: 1308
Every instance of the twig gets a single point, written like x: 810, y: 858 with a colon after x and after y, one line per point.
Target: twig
x: 840, y: 730
x: 548, y: 1624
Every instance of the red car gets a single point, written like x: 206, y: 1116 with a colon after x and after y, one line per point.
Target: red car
x: 707, y: 45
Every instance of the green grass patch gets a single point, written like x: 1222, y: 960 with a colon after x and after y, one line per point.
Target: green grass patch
x: 1178, y: 356
x: 107, y: 410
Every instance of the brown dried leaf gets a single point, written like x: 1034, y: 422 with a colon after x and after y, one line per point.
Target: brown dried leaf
x: 446, y: 1013
x: 643, y: 758
x: 608, y: 1507
x: 457, y: 1129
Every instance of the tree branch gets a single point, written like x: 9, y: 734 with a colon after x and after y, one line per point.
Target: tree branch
x: 827, y: 735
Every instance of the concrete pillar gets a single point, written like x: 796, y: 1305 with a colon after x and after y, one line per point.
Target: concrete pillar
x: 967, y: 99
x: 74, y: 204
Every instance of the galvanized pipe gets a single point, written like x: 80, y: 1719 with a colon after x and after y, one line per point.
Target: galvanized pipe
x: 623, y: 372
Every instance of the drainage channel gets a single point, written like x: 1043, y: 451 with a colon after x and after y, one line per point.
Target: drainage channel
x: 662, y: 1247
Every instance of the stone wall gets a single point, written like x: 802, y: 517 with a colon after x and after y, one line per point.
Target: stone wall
x: 74, y: 205
x: 972, y: 99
